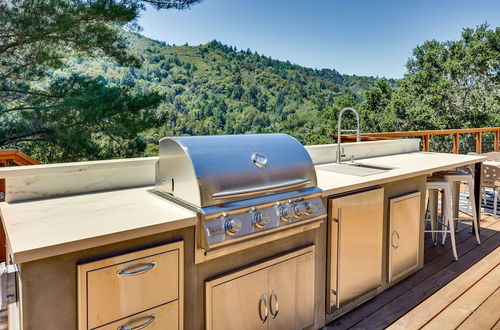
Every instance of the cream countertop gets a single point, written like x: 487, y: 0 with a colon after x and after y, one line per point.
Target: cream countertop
x: 404, y: 166
x: 48, y: 227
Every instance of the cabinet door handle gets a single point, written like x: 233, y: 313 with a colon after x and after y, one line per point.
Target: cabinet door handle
x: 339, y: 235
x: 133, y: 270
x: 149, y: 320
x: 392, y: 240
x: 263, y: 318
x: 277, y: 308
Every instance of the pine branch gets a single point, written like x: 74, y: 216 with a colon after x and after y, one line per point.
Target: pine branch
x: 168, y: 4
x: 23, y: 136
x: 18, y: 91
x: 28, y: 108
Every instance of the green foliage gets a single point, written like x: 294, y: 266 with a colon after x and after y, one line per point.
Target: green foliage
x: 61, y: 116
x: 215, y: 89
x: 451, y: 84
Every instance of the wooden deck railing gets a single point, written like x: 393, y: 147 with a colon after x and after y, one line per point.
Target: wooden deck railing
x: 8, y: 157
x: 426, y: 137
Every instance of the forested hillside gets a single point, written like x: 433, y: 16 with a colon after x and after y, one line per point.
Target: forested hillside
x: 216, y: 89
x: 75, y: 86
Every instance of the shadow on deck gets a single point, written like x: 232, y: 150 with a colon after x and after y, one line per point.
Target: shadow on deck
x: 439, y: 270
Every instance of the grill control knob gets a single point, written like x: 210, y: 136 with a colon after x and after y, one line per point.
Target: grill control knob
x: 260, y: 220
x: 297, y: 211
x: 309, y: 208
x: 232, y: 226
x: 284, y: 214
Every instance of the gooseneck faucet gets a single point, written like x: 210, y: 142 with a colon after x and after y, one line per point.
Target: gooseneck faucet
x: 340, y: 130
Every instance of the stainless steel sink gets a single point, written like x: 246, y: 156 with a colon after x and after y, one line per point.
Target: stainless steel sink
x: 357, y: 169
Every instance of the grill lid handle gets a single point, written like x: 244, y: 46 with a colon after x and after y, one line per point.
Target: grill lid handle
x: 259, y: 190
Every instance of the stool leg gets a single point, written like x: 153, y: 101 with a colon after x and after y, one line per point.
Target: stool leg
x: 472, y: 199
x: 445, y: 226
x: 455, y: 190
x: 433, y: 202
x: 495, y: 199
x: 468, y: 203
x: 483, y: 200
x: 450, y: 221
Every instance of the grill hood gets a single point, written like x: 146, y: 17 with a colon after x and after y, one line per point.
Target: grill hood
x: 213, y: 170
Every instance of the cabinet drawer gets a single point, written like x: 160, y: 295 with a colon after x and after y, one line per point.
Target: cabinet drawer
x: 165, y: 317
x: 114, y: 288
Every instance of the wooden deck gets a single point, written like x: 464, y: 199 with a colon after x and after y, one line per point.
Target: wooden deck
x: 443, y: 295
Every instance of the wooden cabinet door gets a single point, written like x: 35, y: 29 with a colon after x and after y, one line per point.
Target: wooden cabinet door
x: 305, y: 290
x: 242, y: 303
x: 404, y: 235
x: 275, y: 294
x: 283, y: 295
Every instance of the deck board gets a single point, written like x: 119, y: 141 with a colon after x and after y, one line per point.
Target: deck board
x: 456, y: 298
x: 485, y: 316
x: 439, y: 270
x: 460, y: 309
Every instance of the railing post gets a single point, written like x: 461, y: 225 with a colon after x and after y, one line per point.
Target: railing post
x: 456, y: 142
x: 426, y: 143
x: 496, y: 141
x: 3, y: 238
x: 479, y: 142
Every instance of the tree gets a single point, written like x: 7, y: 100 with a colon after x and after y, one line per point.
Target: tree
x: 40, y: 102
x: 450, y: 84
x: 376, y: 114
x: 457, y: 82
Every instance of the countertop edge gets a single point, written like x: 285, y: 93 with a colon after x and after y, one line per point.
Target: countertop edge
x: 397, y: 177
x: 20, y: 257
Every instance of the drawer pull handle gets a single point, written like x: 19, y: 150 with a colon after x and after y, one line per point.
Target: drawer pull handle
x: 263, y: 318
x: 133, y: 270
x: 149, y: 320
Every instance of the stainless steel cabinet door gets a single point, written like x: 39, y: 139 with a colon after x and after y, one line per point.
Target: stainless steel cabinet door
x: 355, y: 245
x: 404, y: 235
x: 241, y: 303
x: 283, y: 295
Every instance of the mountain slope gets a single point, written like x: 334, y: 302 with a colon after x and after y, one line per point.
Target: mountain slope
x: 214, y: 89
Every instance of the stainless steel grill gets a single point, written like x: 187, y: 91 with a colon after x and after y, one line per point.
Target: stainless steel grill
x: 242, y: 186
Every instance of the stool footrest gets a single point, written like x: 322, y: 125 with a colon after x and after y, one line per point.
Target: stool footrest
x: 463, y: 219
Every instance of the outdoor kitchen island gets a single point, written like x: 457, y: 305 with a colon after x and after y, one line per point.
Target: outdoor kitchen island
x: 99, y: 215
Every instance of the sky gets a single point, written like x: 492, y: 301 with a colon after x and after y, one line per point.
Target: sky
x: 362, y: 37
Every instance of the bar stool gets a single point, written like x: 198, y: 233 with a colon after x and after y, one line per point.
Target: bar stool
x: 463, y: 177
x: 434, y: 186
